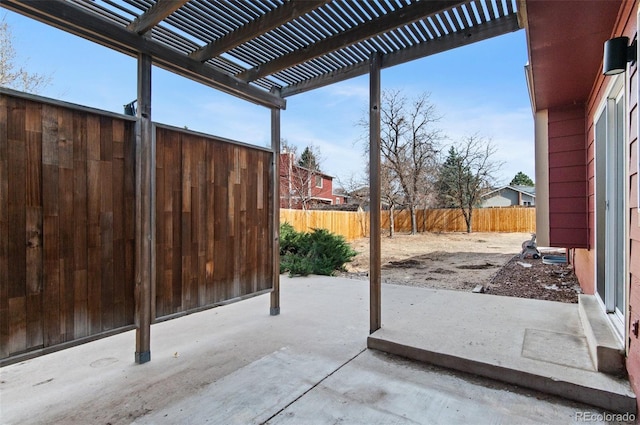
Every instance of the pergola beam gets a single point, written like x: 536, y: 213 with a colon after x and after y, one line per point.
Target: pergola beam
x: 285, y: 13
x: 401, y: 17
x: 73, y: 19
x: 154, y: 15
x: 451, y: 41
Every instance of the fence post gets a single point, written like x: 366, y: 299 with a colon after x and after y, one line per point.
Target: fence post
x: 144, y: 212
x: 375, y: 290
x: 275, y: 221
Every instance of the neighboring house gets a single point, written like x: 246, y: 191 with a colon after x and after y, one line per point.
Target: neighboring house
x: 340, y: 207
x: 509, y: 196
x: 586, y: 138
x: 302, y: 188
x: 340, y: 197
x: 360, y: 197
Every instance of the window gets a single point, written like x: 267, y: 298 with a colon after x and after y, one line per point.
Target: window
x: 318, y: 181
x: 337, y: 201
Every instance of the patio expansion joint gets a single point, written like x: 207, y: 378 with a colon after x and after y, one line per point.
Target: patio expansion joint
x: 311, y: 388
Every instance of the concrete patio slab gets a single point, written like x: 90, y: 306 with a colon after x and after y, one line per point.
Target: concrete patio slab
x: 537, y: 344
x: 237, y: 365
x: 376, y: 388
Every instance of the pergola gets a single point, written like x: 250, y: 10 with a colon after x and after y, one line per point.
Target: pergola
x: 263, y: 51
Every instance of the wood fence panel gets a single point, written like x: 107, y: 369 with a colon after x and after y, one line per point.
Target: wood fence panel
x: 354, y: 225
x: 451, y: 220
x: 63, y: 204
x: 213, y: 232
x: 67, y: 223
x: 5, y: 336
x: 351, y: 225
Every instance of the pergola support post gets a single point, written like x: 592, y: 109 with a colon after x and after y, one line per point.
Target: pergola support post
x: 144, y: 186
x: 375, y: 306
x: 275, y: 222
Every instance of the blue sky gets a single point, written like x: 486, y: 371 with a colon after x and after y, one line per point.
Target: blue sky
x: 479, y: 89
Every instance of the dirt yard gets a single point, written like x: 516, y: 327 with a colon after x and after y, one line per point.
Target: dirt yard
x: 461, y: 261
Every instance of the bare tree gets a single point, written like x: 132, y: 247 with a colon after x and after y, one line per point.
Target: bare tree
x: 409, y: 143
x: 288, y: 153
x: 391, y: 193
x: 13, y: 75
x: 356, y: 187
x: 468, y: 171
x: 298, y: 184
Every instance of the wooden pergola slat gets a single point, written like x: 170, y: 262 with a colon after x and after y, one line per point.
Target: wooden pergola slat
x: 73, y: 19
x: 255, y: 47
x: 400, y: 17
x: 253, y: 29
x: 154, y: 15
x: 442, y: 44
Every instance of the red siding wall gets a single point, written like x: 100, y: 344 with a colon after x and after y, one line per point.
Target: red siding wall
x: 585, y: 260
x: 324, y: 192
x: 633, y: 359
x: 294, y: 180
x: 568, y: 223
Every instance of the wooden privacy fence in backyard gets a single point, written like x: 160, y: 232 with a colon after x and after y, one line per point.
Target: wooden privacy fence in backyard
x: 512, y: 219
x: 354, y: 225
x: 212, y: 221
x: 351, y: 225
x: 67, y: 223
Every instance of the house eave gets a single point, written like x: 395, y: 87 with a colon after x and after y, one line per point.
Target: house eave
x: 565, y: 45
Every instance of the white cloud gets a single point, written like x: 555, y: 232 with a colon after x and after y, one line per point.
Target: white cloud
x: 350, y: 91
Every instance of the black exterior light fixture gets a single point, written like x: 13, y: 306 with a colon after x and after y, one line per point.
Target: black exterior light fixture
x: 617, y: 53
x: 130, y: 108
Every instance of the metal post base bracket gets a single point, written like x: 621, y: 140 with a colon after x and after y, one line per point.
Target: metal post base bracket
x: 274, y: 311
x: 143, y: 357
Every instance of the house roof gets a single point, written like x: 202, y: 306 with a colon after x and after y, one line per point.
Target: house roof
x: 527, y: 190
x: 339, y: 207
x: 266, y: 50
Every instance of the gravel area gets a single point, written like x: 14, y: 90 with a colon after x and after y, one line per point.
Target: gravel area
x: 461, y: 261
x: 531, y: 278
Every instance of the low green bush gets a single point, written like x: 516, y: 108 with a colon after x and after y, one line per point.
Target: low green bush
x: 318, y: 252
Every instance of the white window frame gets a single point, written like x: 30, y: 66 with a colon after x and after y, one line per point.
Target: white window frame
x: 616, y: 90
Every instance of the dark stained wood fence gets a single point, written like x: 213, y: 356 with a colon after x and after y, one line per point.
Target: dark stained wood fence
x: 67, y: 224
x: 66, y: 220
x: 213, y: 221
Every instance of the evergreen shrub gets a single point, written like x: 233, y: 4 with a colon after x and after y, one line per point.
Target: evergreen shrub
x: 318, y: 252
